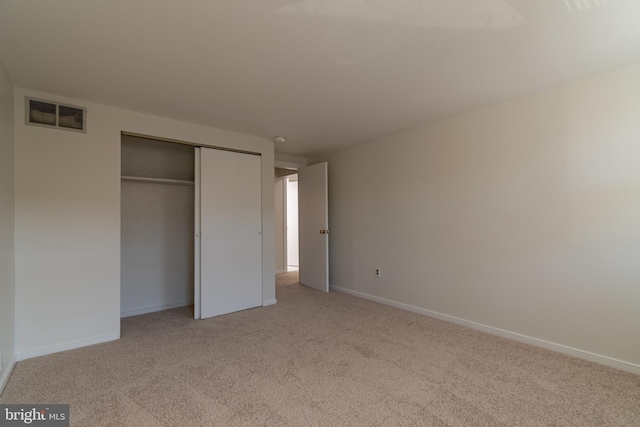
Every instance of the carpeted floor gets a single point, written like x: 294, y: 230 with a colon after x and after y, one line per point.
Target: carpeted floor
x: 286, y: 279
x: 318, y: 359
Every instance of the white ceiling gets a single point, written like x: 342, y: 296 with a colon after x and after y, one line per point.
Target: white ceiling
x: 323, y: 73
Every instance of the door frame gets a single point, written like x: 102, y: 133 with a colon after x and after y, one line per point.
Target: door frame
x: 285, y: 161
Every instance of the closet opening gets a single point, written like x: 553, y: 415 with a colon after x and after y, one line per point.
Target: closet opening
x: 157, y: 224
x: 191, y: 228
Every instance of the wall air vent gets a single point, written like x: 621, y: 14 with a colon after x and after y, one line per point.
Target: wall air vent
x: 55, y: 115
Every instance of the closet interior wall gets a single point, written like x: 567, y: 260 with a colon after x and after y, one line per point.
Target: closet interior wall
x: 157, y: 225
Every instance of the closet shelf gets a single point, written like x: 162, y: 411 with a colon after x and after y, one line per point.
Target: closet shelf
x: 155, y: 180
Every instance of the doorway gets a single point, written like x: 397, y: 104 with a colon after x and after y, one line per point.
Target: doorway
x: 291, y: 200
x: 302, y: 241
x: 287, y: 266
x: 286, y: 225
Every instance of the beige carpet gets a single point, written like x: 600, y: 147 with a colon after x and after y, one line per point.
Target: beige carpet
x: 286, y: 279
x: 319, y: 359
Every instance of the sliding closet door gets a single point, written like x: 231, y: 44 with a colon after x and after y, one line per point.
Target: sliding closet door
x: 230, y: 232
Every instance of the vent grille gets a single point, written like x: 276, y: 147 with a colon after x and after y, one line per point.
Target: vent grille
x: 40, y: 112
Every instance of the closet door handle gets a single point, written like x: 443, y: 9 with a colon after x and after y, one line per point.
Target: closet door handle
x: 197, y: 234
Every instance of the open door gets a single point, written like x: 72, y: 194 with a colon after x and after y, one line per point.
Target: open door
x: 313, y: 226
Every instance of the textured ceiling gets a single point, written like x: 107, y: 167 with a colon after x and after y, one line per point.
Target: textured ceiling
x: 324, y: 73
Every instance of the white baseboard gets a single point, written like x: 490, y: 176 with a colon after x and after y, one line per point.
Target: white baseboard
x: 6, y: 373
x: 146, y: 310
x: 581, y: 354
x: 70, y: 345
x: 268, y: 302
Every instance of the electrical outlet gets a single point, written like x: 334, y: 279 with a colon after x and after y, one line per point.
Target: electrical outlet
x: 377, y: 272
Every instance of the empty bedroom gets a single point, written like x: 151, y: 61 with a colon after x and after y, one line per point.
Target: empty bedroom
x: 320, y: 212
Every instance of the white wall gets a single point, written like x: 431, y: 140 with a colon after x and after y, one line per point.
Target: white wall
x: 68, y: 221
x: 523, y: 216
x: 7, y: 253
x: 157, y: 242
x: 287, y: 161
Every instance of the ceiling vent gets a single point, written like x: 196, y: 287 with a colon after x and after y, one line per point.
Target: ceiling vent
x: 55, y: 115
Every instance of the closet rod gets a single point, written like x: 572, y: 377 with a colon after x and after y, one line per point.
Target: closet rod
x: 155, y: 180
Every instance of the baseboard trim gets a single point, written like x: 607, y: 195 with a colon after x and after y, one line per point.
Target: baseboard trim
x: 269, y: 302
x: 560, y: 348
x: 70, y: 345
x: 154, y: 308
x: 281, y: 271
x: 6, y: 374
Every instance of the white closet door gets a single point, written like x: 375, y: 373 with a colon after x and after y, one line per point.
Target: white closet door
x: 230, y: 232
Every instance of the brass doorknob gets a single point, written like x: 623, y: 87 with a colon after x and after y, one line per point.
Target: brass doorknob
x: 324, y: 231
